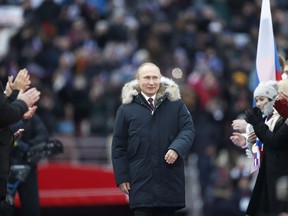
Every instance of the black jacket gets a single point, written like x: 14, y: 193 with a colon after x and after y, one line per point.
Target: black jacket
x: 10, y: 113
x: 274, y: 165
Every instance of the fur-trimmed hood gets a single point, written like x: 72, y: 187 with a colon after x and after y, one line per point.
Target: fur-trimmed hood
x: 167, y: 86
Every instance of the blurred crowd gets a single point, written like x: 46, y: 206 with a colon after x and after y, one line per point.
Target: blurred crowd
x: 81, y: 52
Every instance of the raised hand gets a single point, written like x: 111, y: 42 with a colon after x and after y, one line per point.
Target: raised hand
x: 31, y: 111
x: 8, y: 89
x: 21, y: 82
x: 253, y: 116
x: 239, y: 125
x: 30, y: 97
x: 238, y: 139
x: 281, y: 105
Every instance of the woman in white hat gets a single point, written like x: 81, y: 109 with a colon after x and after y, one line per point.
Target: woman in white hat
x: 273, y: 132
x: 264, y: 96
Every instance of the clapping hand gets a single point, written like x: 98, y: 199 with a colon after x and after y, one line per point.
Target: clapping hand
x: 253, y: 115
x: 30, y: 97
x: 31, y: 111
x: 21, y: 81
x: 239, y: 125
x: 238, y: 139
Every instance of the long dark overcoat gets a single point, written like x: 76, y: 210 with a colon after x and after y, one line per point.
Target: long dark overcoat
x: 141, y: 139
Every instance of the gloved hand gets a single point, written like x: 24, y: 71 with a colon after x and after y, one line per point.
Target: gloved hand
x: 253, y: 116
x: 281, y: 105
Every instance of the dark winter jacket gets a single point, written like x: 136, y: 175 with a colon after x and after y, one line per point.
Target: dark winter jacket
x: 141, y: 139
x: 10, y: 113
x: 35, y: 133
x: 274, y: 165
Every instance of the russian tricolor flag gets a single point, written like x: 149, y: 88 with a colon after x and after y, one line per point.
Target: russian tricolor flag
x: 257, y: 151
x: 267, y: 61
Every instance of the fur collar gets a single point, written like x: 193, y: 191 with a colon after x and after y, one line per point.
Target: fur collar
x: 167, y: 86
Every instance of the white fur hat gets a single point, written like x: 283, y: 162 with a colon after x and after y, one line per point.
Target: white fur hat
x: 267, y: 89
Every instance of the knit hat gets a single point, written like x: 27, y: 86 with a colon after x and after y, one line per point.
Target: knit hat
x: 267, y: 89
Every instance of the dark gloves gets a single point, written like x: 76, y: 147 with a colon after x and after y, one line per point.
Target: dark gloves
x: 253, y: 116
x: 281, y: 105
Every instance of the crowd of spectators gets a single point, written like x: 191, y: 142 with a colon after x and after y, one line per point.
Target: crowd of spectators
x: 80, y: 53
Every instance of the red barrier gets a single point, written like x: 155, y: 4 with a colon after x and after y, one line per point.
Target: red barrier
x: 77, y: 185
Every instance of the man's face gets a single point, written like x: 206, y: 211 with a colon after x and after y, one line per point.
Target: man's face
x: 149, y: 79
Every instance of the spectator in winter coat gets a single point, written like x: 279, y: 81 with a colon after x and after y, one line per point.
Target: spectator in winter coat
x: 265, y: 96
x: 150, y: 140
x: 12, y: 112
x: 274, y: 164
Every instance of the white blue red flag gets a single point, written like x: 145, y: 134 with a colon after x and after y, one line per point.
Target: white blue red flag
x: 267, y: 61
x: 257, y: 151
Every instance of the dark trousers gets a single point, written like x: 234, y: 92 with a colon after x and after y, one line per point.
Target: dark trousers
x: 29, y: 194
x: 157, y: 211
x: 4, y: 168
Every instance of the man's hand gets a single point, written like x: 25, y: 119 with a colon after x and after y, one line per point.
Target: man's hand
x: 30, y: 97
x: 18, y: 132
x: 125, y: 187
x: 238, y: 139
x: 31, y: 111
x: 21, y: 82
x: 171, y: 156
x: 8, y: 89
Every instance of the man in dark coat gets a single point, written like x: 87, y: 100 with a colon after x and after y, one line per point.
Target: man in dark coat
x: 11, y: 112
x: 150, y: 140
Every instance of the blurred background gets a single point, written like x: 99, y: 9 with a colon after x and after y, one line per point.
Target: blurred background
x: 80, y: 53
